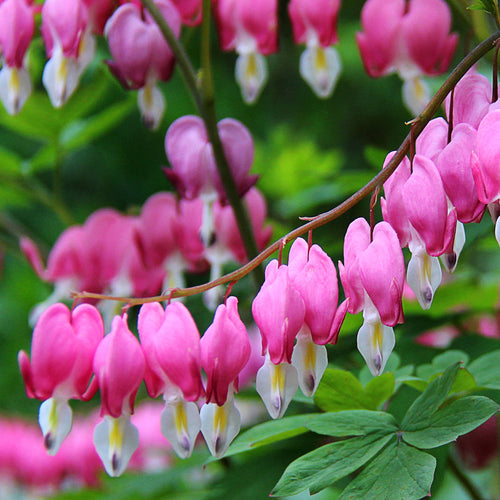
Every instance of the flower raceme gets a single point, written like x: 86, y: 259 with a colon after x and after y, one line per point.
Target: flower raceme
x: 315, y: 25
x: 410, y: 37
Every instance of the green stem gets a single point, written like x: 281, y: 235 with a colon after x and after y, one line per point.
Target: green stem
x: 203, y: 96
x: 418, y: 125
x: 464, y: 480
x: 240, y: 212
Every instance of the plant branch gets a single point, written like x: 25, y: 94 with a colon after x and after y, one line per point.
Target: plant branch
x: 418, y: 125
x: 203, y: 94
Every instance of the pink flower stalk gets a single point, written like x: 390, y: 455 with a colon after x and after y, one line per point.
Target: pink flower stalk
x: 190, y: 11
x: 69, y: 44
x: 411, y: 38
x: 119, y: 367
x: 279, y: 312
x: 17, y: 25
x: 471, y: 99
x: 315, y: 25
x: 62, y: 351
x: 225, y: 350
x: 314, y: 276
x: 141, y: 56
x: 374, y: 269
x: 250, y: 27
x: 171, y: 345
x: 228, y: 245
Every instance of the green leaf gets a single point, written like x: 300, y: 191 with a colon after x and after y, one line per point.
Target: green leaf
x: 353, y: 423
x: 419, y: 414
x: 486, y: 5
x: 400, y: 472
x: 460, y: 417
x: 322, y: 467
x: 485, y: 370
x: 380, y: 389
x: 341, y: 390
x: 10, y: 162
x: 270, y: 432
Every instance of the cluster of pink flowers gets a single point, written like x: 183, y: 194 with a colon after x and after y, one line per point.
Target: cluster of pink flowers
x: 398, y: 36
x: 142, y: 255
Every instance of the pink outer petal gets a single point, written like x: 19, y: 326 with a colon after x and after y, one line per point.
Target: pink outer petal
x: 239, y: 150
x: 99, y: 12
x: 433, y: 139
x: 381, y: 20
x: 188, y: 152
x: 471, y: 99
x: 62, y: 350
x: 155, y: 229
x: 149, y: 322
x: 427, y: 209
x: 454, y: 165
x: 486, y: 159
x: 356, y: 241
x: 137, y: 46
x: 426, y: 30
x: 190, y: 11
x: 17, y: 25
x: 382, y: 273
x: 254, y: 18
x: 66, y: 259
x: 319, y: 17
x: 225, y: 350
x: 119, y: 367
x: 177, y: 350
x: 279, y: 311
x: 32, y: 254
x: 314, y: 276
x: 64, y: 21
x: 393, y: 208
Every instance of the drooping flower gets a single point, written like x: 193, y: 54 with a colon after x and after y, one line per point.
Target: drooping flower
x: 119, y: 368
x: 315, y: 25
x: 141, y: 56
x: 250, y: 27
x: 225, y: 350
x: 374, y: 269
x: 62, y: 352
x: 171, y: 344
x: 313, y: 275
x: 279, y: 312
x: 17, y: 25
x: 69, y: 44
